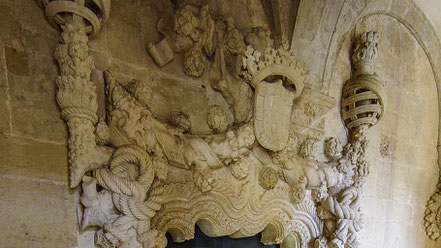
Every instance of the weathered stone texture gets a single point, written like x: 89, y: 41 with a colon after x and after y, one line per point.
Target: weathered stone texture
x: 36, y: 214
x: 400, y: 182
x: 33, y: 159
x: 37, y: 207
x: 40, y: 209
x: 5, y: 118
x: 314, y: 27
x: 34, y: 110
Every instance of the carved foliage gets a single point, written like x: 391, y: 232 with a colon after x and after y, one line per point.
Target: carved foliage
x: 160, y: 178
x: 77, y: 99
x: 432, y: 218
x: 341, y: 210
x: 365, y: 52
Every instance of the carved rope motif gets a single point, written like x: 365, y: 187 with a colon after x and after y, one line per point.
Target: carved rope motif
x: 159, y: 178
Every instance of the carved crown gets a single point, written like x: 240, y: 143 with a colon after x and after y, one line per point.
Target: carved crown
x: 274, y: 62
x: 95, y: 12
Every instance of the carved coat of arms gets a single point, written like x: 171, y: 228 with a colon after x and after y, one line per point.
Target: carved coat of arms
x: 156, y: 177
x: 272, y: 114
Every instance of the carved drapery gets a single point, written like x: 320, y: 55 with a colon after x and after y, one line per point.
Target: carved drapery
x: 255, y: 175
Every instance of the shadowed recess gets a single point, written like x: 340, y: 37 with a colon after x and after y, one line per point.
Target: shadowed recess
x: 202, y: 241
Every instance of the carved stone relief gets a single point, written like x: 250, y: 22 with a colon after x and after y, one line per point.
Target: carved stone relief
x: 432, y: 218
x: 385, y: 146
x: 258, y: 175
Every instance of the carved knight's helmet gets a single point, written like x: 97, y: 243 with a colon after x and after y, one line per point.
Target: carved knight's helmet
x: 277, y: 79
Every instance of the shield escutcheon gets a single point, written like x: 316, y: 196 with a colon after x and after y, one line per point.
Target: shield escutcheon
x: 272, y: 114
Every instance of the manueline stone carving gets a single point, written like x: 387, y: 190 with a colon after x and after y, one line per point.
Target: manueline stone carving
x: 217, y: 119
x: 432, y: 218
x: 259, y: 67
x: 333, y: 148
x: 240, y: 169
x: 182, y: 121
x: 76, y: 95
x: 363, y: 104
x: 268, y: 178
x: 143, y: 176
x: 193, y: 33
x: 307, y: 149
x: 98, y: 206
x: 130, y: 178
x: 362, y: 96
x: 298, y: 191
x: 161, y: 52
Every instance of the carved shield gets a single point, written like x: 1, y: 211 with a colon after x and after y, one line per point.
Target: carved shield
x: 272, y: 114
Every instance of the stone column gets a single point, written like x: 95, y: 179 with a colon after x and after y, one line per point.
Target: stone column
x: 78, y: 21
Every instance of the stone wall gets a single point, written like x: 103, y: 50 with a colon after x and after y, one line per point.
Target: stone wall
x: 37, y: 208
x: 403, y: 151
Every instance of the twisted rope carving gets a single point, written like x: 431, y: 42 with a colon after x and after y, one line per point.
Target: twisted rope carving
x: 345, y: 210
x: 117, y: 179
x: 134, y: 194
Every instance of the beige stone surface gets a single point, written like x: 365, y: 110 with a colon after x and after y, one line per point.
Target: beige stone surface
x: 5, y: 117
x: 36, y: 213
x: 33, y: 156
x: 26, y: 39
x: 31, y: 84
x: 33, y: 159
x: 37, y: 208
x: 404, y: 179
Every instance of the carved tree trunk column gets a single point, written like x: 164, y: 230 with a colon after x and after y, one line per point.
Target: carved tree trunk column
x: 76, y: 94
x: 77, y: 97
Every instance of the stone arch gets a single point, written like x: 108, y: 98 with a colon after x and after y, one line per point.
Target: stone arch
x: 419, y: 28
x: 414, y: 19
